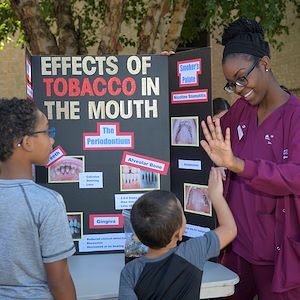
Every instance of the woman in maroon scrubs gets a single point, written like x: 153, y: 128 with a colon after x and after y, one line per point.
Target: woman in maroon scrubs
x: 258, y: 141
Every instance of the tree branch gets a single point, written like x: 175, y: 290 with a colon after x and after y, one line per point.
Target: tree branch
x: 150, y: 25
x: 67, y: 41
x: 38, y: 34
x: 177, y: 19
x: 109, y: 34
x: 163, y: 26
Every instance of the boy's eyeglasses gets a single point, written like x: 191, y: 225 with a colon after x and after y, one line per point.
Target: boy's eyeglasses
x: 240, y: 82
x: 51, y: 132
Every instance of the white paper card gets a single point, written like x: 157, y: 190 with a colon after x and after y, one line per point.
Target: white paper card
x: 102, y: 242
x: 240, y: 132
x: 195, y: 231
x: 91, y: 180
x: 189, y: 164
x: 125, y: 201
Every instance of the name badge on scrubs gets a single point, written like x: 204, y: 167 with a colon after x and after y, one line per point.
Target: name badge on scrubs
x: 240, y: 132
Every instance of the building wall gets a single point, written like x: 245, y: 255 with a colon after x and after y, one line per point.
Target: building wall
x: 12, y: 66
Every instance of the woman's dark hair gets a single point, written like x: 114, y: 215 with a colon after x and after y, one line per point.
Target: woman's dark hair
x: 220, y: 104
x: 155, y: 217
x: 17, y: 118
x: 245, y: 36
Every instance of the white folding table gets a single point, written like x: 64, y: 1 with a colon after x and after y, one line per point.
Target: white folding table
x: 96, y: 276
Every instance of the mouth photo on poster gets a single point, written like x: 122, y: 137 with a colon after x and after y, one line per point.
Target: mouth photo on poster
x: 66, y: 169
x: 76, y: 224
x: 196, y: 199
x: 184, y: 131
x: 135, y: 179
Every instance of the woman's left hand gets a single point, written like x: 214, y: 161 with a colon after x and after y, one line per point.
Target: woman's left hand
x: 216, y: 146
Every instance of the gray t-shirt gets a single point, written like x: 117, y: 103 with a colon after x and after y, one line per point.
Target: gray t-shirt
x: 34, y: 231
x: 195, y: 251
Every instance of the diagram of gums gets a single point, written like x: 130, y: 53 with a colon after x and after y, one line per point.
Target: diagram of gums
x: 133, y: 179
x: 66, y: 169
x: 185, y: 131
x: 196, y: 199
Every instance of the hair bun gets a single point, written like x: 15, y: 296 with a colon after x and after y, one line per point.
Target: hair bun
x: 243, y: 29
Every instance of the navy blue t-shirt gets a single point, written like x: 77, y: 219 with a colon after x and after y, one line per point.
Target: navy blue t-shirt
x: 174, y: 275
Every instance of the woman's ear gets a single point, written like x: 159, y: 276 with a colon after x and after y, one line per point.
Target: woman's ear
x: 266, y: 62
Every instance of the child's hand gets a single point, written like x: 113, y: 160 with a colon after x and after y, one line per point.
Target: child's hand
x: 215, y: 184
x: 223, y: 172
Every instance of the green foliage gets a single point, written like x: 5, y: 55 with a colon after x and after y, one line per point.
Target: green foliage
x: 193, y: 22
x: 210, y: 15
x: 88, y: 16
x: 9, y: 23
x: 126, y: 41
x: 47, y: 10
x: 202, y: 15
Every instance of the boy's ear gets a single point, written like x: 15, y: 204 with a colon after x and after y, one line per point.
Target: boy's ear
x: 27, y: 144
x: 179, y: 234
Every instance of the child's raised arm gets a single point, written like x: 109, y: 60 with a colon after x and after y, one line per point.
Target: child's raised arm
x: 226, y: 231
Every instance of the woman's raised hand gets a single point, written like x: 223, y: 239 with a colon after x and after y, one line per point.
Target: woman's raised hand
x: 216, y: 146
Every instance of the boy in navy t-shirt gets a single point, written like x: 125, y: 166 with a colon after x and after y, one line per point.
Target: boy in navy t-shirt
x: 169, y: 271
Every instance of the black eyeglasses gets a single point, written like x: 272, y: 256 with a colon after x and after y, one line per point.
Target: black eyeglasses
x: 240, y: 82
x: 51, y: 132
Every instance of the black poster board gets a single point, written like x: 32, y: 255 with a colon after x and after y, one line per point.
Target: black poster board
x: 110, y: 114
x: 114, y: 117
x: 190, y: 102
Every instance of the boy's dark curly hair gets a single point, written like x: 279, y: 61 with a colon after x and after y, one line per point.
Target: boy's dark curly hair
x: 17, y: 118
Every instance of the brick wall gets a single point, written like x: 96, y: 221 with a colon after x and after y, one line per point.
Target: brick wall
x: 12, y: 66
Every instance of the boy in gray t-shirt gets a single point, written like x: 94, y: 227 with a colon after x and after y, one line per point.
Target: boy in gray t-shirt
x: 35, y: 238
x: 169, y: 271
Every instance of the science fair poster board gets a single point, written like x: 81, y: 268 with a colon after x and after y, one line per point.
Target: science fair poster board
x: 111, y: 115
x: 120, y: 121
x: 190, y: 102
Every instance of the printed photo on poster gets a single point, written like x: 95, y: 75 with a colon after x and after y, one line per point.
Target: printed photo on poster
x: 76, y: 224
x: 185, y: 131
x: 135, y: 179
x: 66, y: 169
x: 196, y: 199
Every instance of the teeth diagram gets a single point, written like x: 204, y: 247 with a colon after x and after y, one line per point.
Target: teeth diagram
x: 197, y: 201
x: 136, y: 179
x: 66, y: 169
x: 130, y: 178
x: 185, y: 131
x: 75, y: 226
